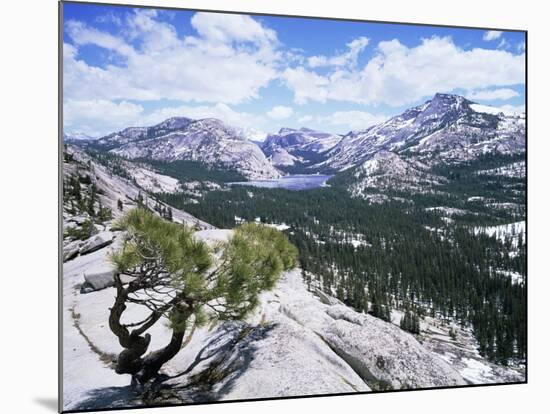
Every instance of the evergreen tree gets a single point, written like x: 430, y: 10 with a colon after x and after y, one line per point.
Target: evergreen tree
x: 192, y: 288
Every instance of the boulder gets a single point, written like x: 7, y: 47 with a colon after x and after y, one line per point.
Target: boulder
x: 78, y: 219
x: 100, y: 276
x: 96, y: 242
x: 70, y: 250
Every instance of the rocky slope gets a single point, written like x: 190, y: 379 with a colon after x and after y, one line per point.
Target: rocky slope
x: 387, y: 170
x: 296, y: 343
x: 87, y: 219
x: 209, y: 141
x: 293, y: 345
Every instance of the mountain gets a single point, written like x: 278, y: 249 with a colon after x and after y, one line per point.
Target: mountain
x: 208, y: 141
x: 447, y: 128
x: 291, y: 147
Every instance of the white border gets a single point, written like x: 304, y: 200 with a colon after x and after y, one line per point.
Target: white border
x: 28, y: 341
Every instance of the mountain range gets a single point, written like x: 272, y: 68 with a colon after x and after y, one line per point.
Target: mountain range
x: 446, y: 129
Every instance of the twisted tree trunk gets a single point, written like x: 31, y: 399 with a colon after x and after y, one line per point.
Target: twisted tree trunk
x: 153, y: 362
x: 130, y: 360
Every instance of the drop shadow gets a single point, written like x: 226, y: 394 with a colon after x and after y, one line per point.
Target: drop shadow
x: 109, y: 397
x: 50, y: 403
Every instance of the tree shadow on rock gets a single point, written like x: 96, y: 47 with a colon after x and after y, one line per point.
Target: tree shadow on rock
x: 226, y: 356
x: 109, y: 397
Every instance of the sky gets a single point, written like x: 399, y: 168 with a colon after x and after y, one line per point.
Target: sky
x: 126, y: 66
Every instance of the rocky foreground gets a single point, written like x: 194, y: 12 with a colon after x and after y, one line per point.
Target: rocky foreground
x: 296, y: 343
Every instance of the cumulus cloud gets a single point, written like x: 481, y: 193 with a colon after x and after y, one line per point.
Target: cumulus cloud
x: 229, y: 59
x: 226, y: 28
x: 491, y: 35
x: 98, y: 117
x: 355, y: 47
x: 154, y: 63
x: 280, y: 112
x: 101, y: 117
x: 492, y: 94
x: 220, y: 111
x: 305, y: 119
x: 398, y: 75
x: 352, y: 120
x: 306, y: 85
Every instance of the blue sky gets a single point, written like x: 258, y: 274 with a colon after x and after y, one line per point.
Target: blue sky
x: 135, y: 67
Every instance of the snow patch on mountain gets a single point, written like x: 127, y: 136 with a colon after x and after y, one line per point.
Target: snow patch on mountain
x: 387, y: 170
x: 112, y: 187
x: 514, y: 170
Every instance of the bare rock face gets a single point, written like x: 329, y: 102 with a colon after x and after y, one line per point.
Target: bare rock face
x: 96, y: 242
x: 71, y: 250
x: 385, y: 356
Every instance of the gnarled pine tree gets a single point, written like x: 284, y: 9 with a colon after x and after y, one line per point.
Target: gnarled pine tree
x: 181, y: 279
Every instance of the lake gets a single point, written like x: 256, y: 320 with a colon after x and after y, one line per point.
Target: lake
x: 291, y: 182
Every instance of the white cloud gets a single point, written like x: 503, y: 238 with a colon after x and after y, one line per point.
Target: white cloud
x: 280, y: 112
x: 306, y: 85
x: 220, y: 111
x: 352, y: 120
x: 226, y: 28
x: 355, y: 47
x: 398, y: 75
x: 99, y: 117
x: 504, y: 44
x: 491, y: 94
x: 512, y: 109
x: 305, y: 119
x: 157, y: 64
x: 491, y: 35
x: 81, y: 35
x: 109, y: 18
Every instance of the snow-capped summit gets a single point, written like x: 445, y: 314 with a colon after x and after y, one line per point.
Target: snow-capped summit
x: 176, y: 122
x: 445, y: 127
